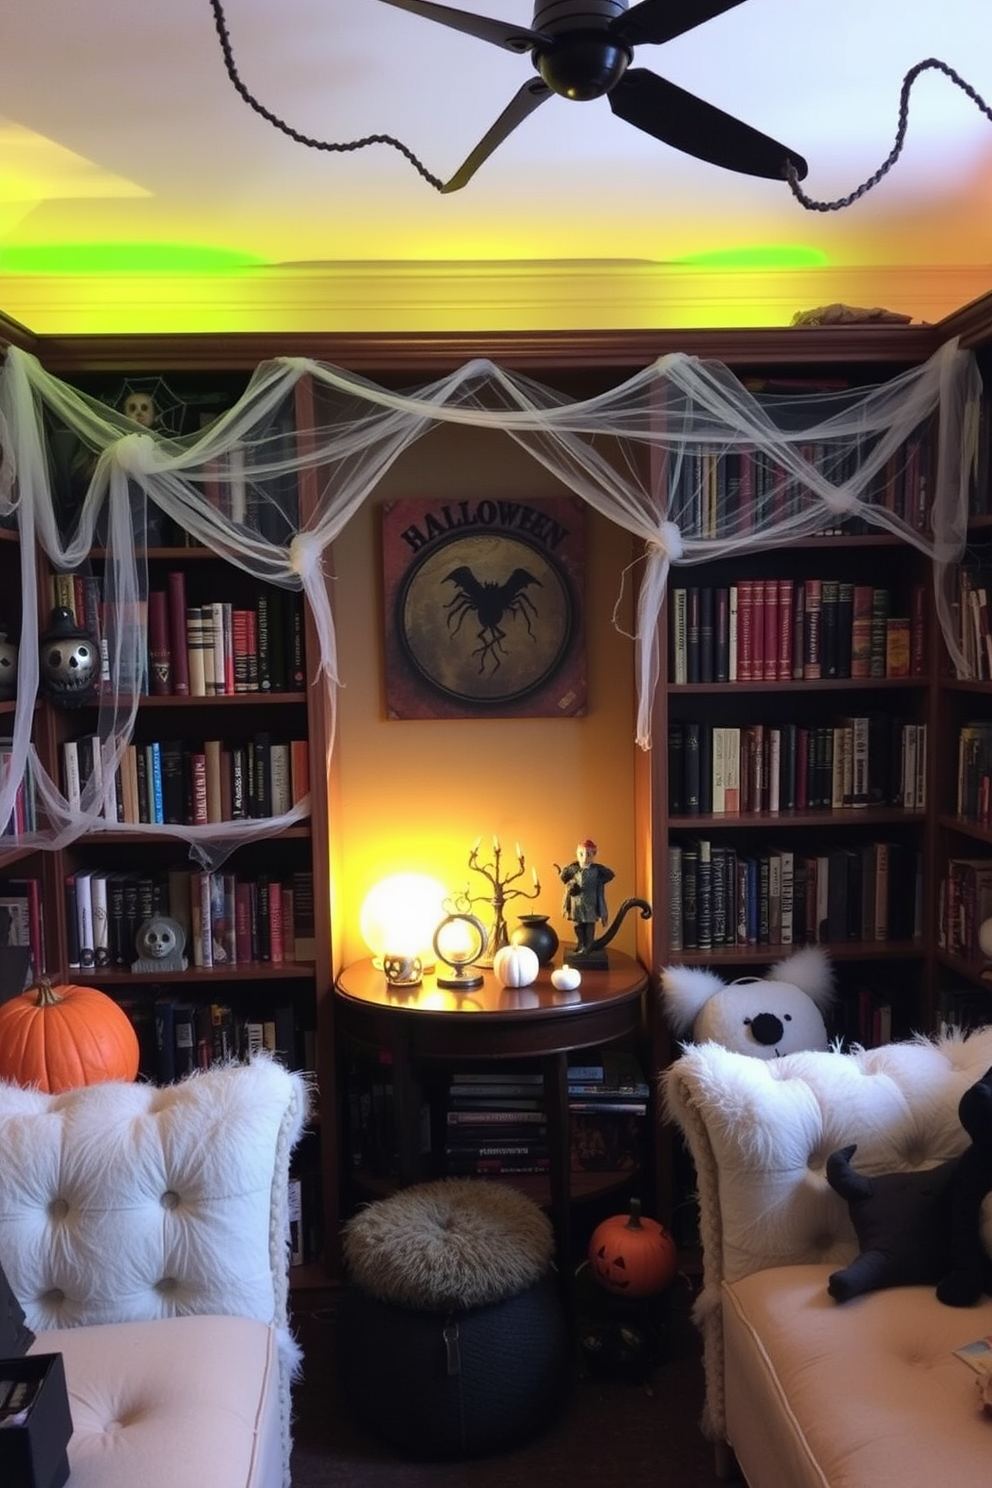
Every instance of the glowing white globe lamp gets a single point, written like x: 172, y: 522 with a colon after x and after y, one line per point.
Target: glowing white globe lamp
x: 399, y: 915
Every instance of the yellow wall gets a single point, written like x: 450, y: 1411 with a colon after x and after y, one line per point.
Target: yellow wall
x: 415, y: 795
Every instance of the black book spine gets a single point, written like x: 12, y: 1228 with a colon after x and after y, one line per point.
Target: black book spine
x: 693, y: 773
x: 690, y: 900
x: 704, y: 896
x: 707, y: 634
x: 692, y: 633
x: 71, y: 923
x: 173, y: 783
x: 676, y: 770
x: 296, y: 670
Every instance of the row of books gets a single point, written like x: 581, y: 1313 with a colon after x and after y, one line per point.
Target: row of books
x: 173, y: 782
x: 864, y: 1014
x: 226, y: 919
x: 212, y: 649
x: 963, y: 1007
x: 22, y: 922
x: 177, y: 1035
x: 729, y: 492
x: 719, y: 898
x: 496, y: 1121
x: 859, y: 760
x: 972, y: 580
x: 965, y: 901
x: 974, y: 772
x: 24, y: 810
x: 220, y: 649
x: 786, y: 629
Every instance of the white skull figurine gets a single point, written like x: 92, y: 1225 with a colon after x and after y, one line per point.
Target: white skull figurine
x: 160, y: 942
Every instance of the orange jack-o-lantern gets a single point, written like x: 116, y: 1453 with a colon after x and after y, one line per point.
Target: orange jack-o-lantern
x: 632, y: 1255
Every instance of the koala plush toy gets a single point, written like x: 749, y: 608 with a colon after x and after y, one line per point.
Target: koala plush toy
x: 768, y: 1016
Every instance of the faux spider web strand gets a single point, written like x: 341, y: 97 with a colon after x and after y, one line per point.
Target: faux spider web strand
x: 341, y: 146
x: 896, y: 151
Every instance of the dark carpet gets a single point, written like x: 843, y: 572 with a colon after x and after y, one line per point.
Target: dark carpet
x: 631, y: 1420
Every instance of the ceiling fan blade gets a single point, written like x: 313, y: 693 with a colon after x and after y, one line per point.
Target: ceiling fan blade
x: 500, y: 33
x: 524, y: 102
x: 660, y: 20
x: 697, y: 128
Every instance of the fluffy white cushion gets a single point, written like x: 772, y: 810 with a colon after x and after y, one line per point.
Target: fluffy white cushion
x: 760, y: 1133
x: 124, y: 1203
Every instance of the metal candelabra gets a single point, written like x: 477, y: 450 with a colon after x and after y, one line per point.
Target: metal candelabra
x: 500, y: 893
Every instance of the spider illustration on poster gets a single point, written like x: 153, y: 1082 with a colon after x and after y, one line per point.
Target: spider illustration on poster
x: 483, y: 612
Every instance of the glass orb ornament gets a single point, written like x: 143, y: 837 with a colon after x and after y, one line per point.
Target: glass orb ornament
x: 69, y: 662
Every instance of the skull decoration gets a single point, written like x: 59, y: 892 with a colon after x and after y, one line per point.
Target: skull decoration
x: 402, y: 970
x: 160, y: 942
x: 69, y: 659
x: 8, y: 666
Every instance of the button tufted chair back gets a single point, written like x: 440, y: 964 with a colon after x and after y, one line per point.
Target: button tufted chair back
x: 760, y: 1132
x: 131, y: 1202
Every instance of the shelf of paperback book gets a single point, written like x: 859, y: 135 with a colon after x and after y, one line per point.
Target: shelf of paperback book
x: 825, y: 816
x: 853, y: 950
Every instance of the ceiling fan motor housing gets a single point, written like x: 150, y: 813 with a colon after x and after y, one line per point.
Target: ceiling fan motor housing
x: 583, y: 63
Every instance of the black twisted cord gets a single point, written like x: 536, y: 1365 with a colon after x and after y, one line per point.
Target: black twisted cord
x: 791, y: 175
x: 896, y: 151
x: 294, y: 134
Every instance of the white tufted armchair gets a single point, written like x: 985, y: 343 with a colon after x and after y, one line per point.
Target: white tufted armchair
x: 809, y: 1392
x: 144, y: 1232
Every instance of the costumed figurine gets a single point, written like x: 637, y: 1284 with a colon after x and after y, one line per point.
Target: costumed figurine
x: 766, y: 1017
x: 584, y: 901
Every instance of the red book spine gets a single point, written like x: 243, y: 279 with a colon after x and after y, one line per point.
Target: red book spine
x: 277, y: 949
x: 917, y: 632
x: 242, y: 921
x: 745, y: 630
x: 757, y: 630
x: 772, y: 626
x: 861, y: 631
x: 159, y: 649
x: 177, y: 633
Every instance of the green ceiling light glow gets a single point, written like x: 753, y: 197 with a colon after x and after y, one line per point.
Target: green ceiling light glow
x: 758, y: 256
x: 125, y: 258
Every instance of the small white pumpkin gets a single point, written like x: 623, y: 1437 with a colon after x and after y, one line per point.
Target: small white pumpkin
x: 515, y: 966
x: 566, y: 978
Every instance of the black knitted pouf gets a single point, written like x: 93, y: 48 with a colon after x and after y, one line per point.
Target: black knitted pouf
x: 461, y: 1375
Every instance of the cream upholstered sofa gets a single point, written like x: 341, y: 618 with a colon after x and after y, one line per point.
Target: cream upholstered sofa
x: 804, y: 1390
x: 144, y: 1232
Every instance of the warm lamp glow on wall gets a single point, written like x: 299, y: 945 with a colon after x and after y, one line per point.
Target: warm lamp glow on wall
x: 399, y: 916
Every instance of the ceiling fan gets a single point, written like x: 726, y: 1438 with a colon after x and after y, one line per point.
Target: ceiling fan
x: 583, y: 49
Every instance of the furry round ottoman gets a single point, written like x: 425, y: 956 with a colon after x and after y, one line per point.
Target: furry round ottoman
x: 452, y: 1339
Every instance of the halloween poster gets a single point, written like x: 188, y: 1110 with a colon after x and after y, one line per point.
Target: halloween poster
x: 483, y: 608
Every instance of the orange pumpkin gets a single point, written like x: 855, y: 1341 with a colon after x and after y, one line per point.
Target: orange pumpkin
x: 57, y: 1038
x: 632, y: 1255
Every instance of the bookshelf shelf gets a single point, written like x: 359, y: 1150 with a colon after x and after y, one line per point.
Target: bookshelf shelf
x: 200, y: 976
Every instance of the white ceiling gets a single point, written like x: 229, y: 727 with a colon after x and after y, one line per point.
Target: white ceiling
x: 120, y: 127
